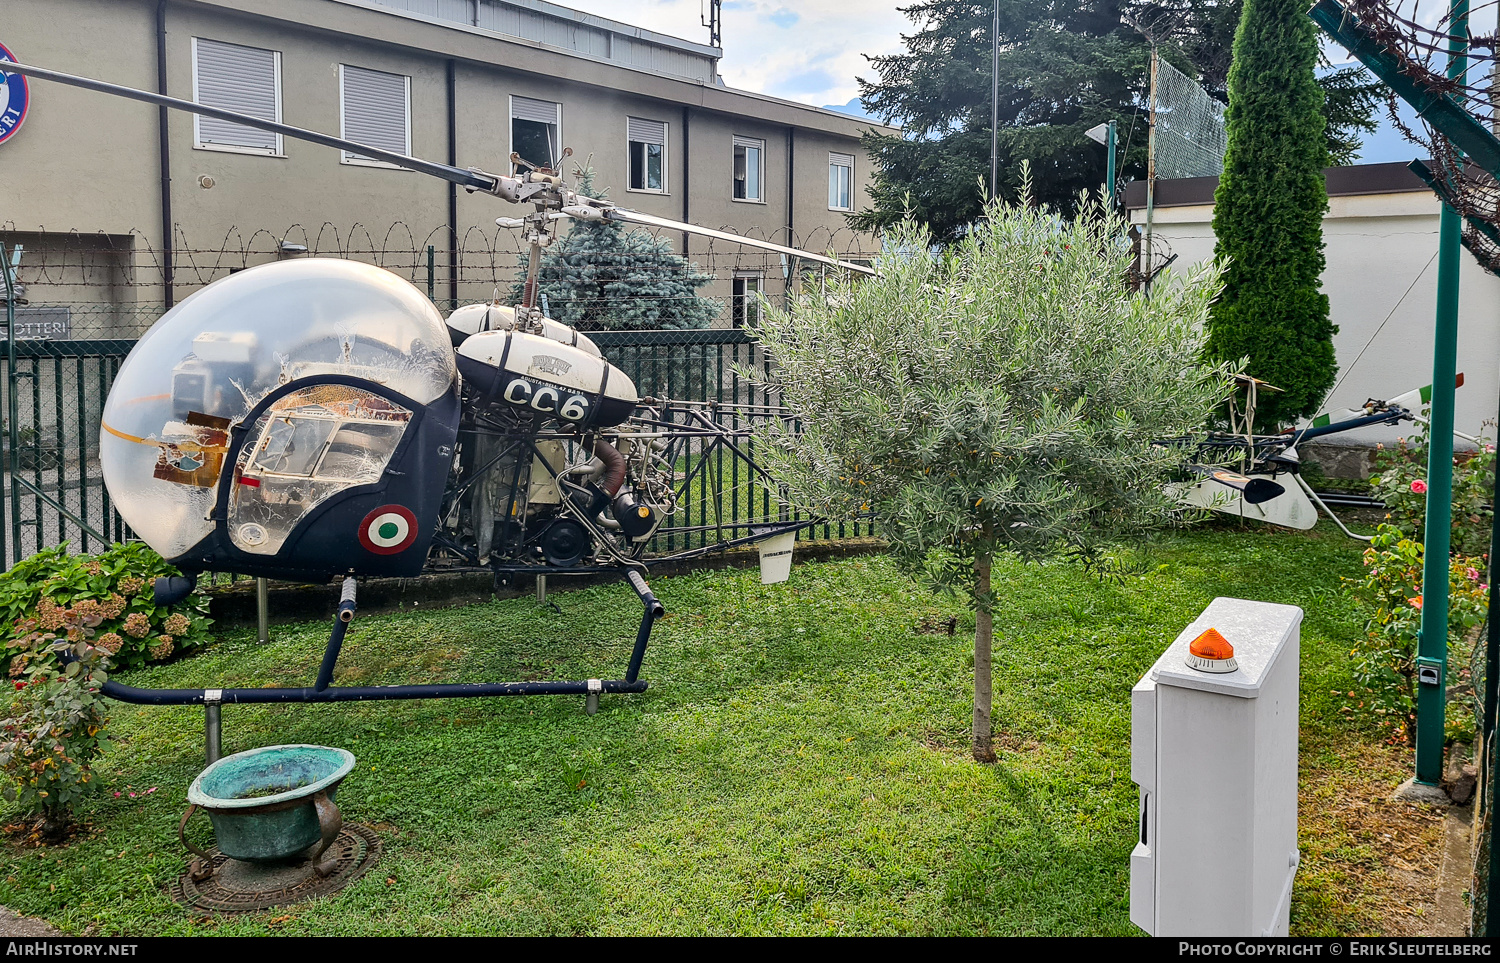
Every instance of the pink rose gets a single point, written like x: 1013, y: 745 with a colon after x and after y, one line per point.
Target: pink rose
x: 1419, y: 487
x: 1473, y: 574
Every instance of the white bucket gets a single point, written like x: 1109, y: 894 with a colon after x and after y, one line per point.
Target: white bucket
x: 776, y: 558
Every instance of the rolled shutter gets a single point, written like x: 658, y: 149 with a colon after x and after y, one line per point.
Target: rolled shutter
x: 242, y: 79
x: 646, y: 131
x: 375, y: 110
x: 540, y: 111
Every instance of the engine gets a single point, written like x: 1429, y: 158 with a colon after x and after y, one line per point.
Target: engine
x: 550, y: 470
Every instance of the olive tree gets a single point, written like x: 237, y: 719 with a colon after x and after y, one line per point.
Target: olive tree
x: 1000, y: 396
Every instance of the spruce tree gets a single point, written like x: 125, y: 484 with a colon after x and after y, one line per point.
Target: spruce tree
x: 1268, y: 214
x: 599, y: 276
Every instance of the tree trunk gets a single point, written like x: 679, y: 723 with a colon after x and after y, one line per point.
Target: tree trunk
x: 983, y: 637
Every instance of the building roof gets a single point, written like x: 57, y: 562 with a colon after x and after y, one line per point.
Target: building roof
x: 416, y: 25
x: 1392, y: 178
x: 569, y: 29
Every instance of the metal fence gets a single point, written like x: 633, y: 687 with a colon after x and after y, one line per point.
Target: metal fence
x: 54, y: 390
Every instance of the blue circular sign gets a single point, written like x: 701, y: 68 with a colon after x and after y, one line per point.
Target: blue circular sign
x: 15, y: 97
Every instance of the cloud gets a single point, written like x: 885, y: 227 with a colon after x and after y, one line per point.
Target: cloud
x: 811, y: 55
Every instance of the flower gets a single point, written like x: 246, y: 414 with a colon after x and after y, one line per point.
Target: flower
x: 1473, y: 574
x: 112, y: 608
x: 176, y: 624
x: 49, y: 615
x: 131, y: 584
x: 162, y: 648
x: 1416, y: 603
x: 1419, y: 487
x: 137, y: 625
x: 109, y: 642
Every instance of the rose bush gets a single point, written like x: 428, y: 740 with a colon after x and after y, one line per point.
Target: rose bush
x: 1385, y: 658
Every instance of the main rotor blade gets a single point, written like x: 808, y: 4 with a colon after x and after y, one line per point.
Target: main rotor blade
x: 649, y: 220
x: 474, y: 180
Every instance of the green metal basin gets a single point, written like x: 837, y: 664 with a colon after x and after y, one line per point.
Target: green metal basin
x: 261, y: 802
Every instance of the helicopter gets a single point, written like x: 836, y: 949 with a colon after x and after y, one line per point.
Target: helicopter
x: 1268, y: 485
x: 318, y: 418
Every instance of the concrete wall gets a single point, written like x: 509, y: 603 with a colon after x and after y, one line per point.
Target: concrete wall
x: 89, y: 163
x: 1381, y: 282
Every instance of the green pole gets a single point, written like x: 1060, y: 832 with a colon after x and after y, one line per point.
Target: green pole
x: 431, y: 276
x: 1432, y: 648
x: 1109, y: 165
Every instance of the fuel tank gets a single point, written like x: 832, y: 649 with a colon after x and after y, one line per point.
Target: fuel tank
x: 471, y: 319
x: 541, y: 375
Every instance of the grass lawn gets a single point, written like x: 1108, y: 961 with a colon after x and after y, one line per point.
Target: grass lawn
x: 799, y: 765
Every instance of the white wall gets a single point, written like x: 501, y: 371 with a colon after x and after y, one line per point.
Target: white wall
x: 1378, y: 247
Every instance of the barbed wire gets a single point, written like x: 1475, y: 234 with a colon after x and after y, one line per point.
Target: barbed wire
x: 76, y: 259
x: 93, y: 285
x: 1419, y: 37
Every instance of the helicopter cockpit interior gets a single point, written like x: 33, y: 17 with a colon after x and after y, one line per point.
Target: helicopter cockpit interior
x: 283, y: 413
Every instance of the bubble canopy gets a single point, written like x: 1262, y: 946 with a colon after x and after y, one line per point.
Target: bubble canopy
x: 206, y: 363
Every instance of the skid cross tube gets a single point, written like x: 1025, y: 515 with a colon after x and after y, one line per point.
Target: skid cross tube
x: 323, y: 692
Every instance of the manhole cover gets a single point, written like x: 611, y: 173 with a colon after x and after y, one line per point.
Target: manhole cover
x: 241, y: 887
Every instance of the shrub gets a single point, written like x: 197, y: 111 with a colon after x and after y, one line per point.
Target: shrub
x: 1385, y: 658
x: 51, y: 589
x: 1401, y: 483
x: 55, y: 727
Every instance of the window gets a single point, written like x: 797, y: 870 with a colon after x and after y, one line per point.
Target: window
x: 534, y: 126
x: 744, y: 301
x: 648, y: 154
x: 749, y: 168
x: 374, y: 109
x: 840, y: 182
x: 243, y: 79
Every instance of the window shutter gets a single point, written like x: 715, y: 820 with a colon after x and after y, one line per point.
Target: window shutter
x: 375, y: 110
x: 540, y: 111
x: 242, y: 79
x: 749, y: 142
x: 841, y: 160
x: 646, y: 131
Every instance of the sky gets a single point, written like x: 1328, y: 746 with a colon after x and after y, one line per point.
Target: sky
x: 804, y: 50
x: 811, y: 50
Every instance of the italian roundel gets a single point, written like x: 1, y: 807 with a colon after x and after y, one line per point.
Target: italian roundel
x: 15, y: 96
x: 388, y: 529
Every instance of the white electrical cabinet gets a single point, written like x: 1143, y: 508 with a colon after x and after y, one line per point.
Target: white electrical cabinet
x: 1215, y: 756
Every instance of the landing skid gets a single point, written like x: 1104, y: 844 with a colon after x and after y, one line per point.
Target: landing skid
x: 323, y: 691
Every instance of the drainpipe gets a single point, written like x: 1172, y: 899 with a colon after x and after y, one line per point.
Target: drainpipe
x: 164, y: 152
x: 453, y: 188
x: 686, y: 165
x: 791, y: 180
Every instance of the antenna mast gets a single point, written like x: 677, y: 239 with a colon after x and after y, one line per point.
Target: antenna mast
x: 711, y: 15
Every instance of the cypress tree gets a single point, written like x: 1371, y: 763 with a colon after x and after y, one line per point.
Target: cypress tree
x: 1268, y: 214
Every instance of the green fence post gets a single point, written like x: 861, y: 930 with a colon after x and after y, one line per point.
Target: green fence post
x: 14, y: 412
x: 1432, y: 647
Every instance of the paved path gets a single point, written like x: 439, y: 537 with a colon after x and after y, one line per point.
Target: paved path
x: 13, y: 925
